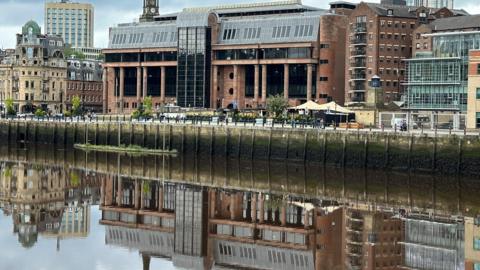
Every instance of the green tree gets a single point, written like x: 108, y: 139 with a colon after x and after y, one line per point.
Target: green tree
x: 276, y: 105
x: 69, y: 52
x: 76, y: 106
x: 40, y: 113
x: 9, y: 107
x: 147, y: 106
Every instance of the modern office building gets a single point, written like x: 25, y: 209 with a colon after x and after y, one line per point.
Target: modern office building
x: 36, y: 77
x: 473, y: 100
x: 438, y: 76
x: 431, y: 3
x: 379, y: 39
x: 227, y: 56
x: 84, y: 79
x: 90, y: 53
x: 74, y: 22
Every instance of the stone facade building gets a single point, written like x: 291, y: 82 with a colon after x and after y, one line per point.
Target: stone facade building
x: 36, y: 78
x: 84, y: 79
x: 232, y: 56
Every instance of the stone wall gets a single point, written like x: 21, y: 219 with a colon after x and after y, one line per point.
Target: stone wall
x: 443, y: 154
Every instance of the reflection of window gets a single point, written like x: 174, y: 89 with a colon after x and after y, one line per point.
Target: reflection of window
x: 476, y: 266
x: 476, y: 240
x: 478, y: 93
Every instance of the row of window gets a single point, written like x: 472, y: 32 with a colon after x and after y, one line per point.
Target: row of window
x: 43, y: 97
x: 84, y: 86
x: 87, y: 98
x: 396, y: 24
x: 278, y: 32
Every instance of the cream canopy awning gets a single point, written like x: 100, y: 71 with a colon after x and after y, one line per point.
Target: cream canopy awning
x: 332, y: 107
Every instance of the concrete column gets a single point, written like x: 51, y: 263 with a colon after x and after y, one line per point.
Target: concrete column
x: 122, y: 87
x: 105, y: 89
x: 145, y: 81
x: 309, y: 81
x: 162, y: 84
x: 119, y: 191
x: 235, y: 84
x: 139, y: 84
x: 138, y: 191
x: 286, y: 80
x: 264, y: 85
x: 214, y: 87
x: 256, y: 86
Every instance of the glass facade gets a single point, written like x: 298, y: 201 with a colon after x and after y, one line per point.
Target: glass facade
x: 439, y: 81
x: 193, y: 68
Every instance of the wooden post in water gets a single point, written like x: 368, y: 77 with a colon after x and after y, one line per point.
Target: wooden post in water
x: 86, y: 133
x: 434, y: 154
x: 226, y: 141
x: 96, y: 134
x: 410, y: 148
x: 344, y: 150
x: 144, y: 141
x: 197, y: 140
x: 183, y: 138
x: 365, y: 152
x: 459, y: 156
x: 157, y: 131
x: 270, y: 144
x: 35, y: 132
x: 287, y: 147
x: 170, y: 131
x: 107, y: 137
x: 239, y: 146
x: 65, y: 135
x: 387, y: 151
x: 75, y: 129
x: 27, y: 124
x: 54, y: 139
x: 212, y: 141
x: 9, y: 131
x: 305, y: 144
x: 131, y: 133
x: 252, y: 151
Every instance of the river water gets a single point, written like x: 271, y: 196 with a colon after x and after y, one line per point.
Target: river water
x: 69, y: 209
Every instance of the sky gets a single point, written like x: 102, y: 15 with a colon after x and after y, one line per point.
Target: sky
x: 15, y: 13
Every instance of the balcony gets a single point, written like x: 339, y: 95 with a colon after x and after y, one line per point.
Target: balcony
x: 359, y: 39
x: 358, y: 77
x: 358, y: 53
x: 360, y: 28
x: 358, y: 63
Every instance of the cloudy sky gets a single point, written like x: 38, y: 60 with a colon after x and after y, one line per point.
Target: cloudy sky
x: 14, y: 13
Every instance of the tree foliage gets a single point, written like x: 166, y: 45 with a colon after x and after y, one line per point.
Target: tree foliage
x: 9, y: 107
x: 40, y: 113
x: 69, y: 52
x: 144, y: 111
x: 76, y: 106
x: 276, y: 105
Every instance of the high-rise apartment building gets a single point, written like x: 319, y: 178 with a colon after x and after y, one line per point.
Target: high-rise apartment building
x: 72, y: 21
x: 379, y: 39
x: 431, y: 3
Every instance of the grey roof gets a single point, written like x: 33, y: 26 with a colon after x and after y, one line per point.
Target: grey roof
x: 406, y: 11
x: 143, y: 35
x: 456, y: 23
x: 193, y: 18
x: 303, y: 27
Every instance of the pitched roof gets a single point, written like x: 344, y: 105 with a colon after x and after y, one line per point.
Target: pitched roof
x: 407, y: 11
x: 454, y: 23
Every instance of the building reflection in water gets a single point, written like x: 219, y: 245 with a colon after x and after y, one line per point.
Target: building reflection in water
x: 47, y: 201
x: 203, y: 213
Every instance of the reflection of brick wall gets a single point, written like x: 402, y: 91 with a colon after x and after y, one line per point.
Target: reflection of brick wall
x: 330, y: 240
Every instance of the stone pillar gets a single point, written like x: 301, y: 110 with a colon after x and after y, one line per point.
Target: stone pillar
x: 139, y: 84
x: 309, y: 82
x: 122, y: 87
x: 138, y: 190
x: 286, y: 80
x: 235, y: 84
x: 214, y: 87
x: 145, y: 81
x: 283, y: 215
x: 119, y: 191
x: 162, y: 84
x: 105, y: 89
x: 256, y: 86
x: 264, y: 85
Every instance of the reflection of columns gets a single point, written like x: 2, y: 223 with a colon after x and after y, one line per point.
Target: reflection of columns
x: 137, y: 194
x: 160, y: 199
x: 119, y: 191
x: 309, y: 81
x: 146, y: 262
x: 139, y: 84
x: 264, y: 84
x: 254, y: 208
x: 162, y: 84
x: 142, y: 194
x: 145, y: 81
x: 286, y: 80
x: 102, y: 192
x: 283, y: 215
x: 306, y: 219
x: 256, y: 86
x: 235, y: 84
x: 122, y: 87
x: 232, y: 206
x: 262, y: 208
x: 105, y: 89
x: 214, y: 87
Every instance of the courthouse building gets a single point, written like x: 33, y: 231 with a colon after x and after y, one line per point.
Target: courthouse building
x: 231, y: 56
